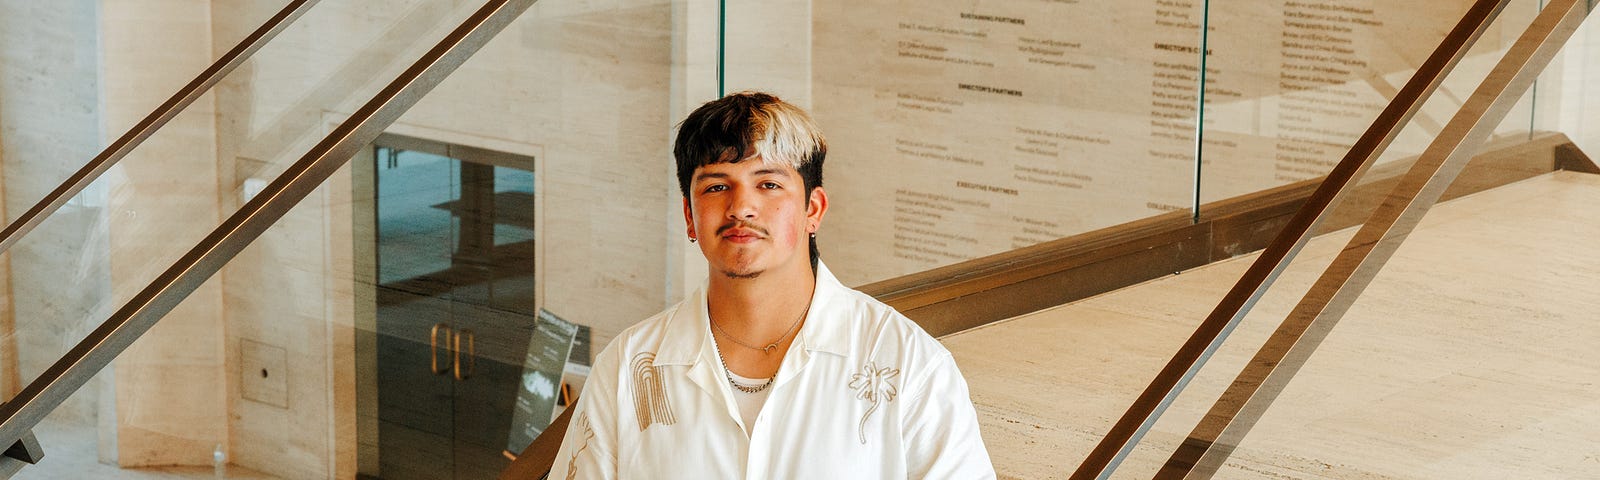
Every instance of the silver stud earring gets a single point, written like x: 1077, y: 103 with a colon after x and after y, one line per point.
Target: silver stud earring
x: 692, y: 239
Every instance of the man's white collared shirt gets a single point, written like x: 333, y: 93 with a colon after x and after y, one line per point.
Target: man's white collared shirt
x: 862, y: 393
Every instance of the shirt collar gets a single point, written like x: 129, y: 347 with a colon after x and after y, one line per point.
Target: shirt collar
x: 687, y: 339
x: 827, y: 327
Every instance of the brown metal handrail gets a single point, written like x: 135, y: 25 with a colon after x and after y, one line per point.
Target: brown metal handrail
x: 536, y: 461
x: 1190, y: 357
x: 157, y: 118
x: 112, y: 337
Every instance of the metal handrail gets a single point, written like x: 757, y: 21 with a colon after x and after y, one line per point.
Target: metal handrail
x: 1214, y: 330
x: 539, y: 458
x: 157, y: 118
x: 107, y: 341
x: 1283, y: 354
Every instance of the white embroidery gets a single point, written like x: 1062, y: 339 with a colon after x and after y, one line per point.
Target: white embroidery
x: 875, y: 388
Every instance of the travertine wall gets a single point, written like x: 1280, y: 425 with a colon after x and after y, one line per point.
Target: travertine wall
x: 10, y: 373
x: 960, y: 130
x: 170, y: 402
x: 50, y: 125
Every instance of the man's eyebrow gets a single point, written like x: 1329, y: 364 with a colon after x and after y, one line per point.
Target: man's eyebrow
x: 706, y: 175
x: 771, y: 171
x: 757, y: 173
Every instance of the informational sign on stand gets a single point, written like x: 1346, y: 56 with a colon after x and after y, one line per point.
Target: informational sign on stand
x: 578, y: 365
x: 542, y: 369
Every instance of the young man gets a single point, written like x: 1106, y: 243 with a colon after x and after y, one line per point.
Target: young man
x: 773, y: 369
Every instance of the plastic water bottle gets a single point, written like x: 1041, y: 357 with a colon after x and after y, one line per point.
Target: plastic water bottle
x: 220, y: 463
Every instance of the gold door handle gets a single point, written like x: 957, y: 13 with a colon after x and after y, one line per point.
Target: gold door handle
x: 433, y: 347
x: 472, y: 354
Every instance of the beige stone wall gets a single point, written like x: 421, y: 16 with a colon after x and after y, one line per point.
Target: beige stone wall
x: 10, y: 369
x: 170, y: 402
x: 770, y: 48
x: 10, y: 375
x: 694, y: 74
x: 961, y: 130
x: 49, y: 125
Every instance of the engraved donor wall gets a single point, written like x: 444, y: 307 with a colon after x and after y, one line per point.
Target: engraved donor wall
x: 962, y: 129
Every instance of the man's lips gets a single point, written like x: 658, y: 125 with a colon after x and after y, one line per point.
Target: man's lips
x: 740, y: 235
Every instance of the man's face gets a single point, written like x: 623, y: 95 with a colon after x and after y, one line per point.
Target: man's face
x: 751, y: 217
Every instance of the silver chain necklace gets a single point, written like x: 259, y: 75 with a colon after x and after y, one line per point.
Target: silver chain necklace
x: 770, y: 346
x: 767, y: 349
x: 743, y: 388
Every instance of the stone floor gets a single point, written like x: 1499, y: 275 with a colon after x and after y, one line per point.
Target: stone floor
x: 1473, y: 354
x: 70, y: 454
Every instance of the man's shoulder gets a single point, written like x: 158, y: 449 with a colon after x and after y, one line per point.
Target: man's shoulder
x: 880, y: 328
x: 644, y: 336
x: 652, y: 327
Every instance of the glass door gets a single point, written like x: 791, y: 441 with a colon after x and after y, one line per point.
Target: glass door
x: 454, y: 296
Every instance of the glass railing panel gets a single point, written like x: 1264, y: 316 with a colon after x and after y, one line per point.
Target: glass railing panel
x: 1565, y: 101
x: 178, y: 395
x: 1200, y: 288
x: 1469, y: 356
x: 1162, y: 448
x: 1296, y: 85
x: 310, y: 365
x: 960, y: 130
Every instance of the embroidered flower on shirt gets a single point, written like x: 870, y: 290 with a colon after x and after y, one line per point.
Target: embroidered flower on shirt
x: 874, y: 387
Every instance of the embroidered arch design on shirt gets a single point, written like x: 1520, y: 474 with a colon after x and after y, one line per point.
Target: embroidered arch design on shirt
x: 649, y: 392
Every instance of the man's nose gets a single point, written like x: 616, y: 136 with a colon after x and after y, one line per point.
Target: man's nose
x: 744, y: 204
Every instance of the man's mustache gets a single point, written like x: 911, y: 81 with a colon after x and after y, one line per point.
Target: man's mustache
x: 741, y: 223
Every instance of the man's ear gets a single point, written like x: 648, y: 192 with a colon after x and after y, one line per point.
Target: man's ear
x: 816, y: 207
x: 688, y: 217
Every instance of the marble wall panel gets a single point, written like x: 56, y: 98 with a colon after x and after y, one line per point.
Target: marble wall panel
x: 695, y: 63
x: 49, y: 126
x: 770, y: 48
x: 170, y: 402
x: 959, y: 130
x: 10, y: 375
x: 303, y: 312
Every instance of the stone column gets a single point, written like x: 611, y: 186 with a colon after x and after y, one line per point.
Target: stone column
x: 171, y: 407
